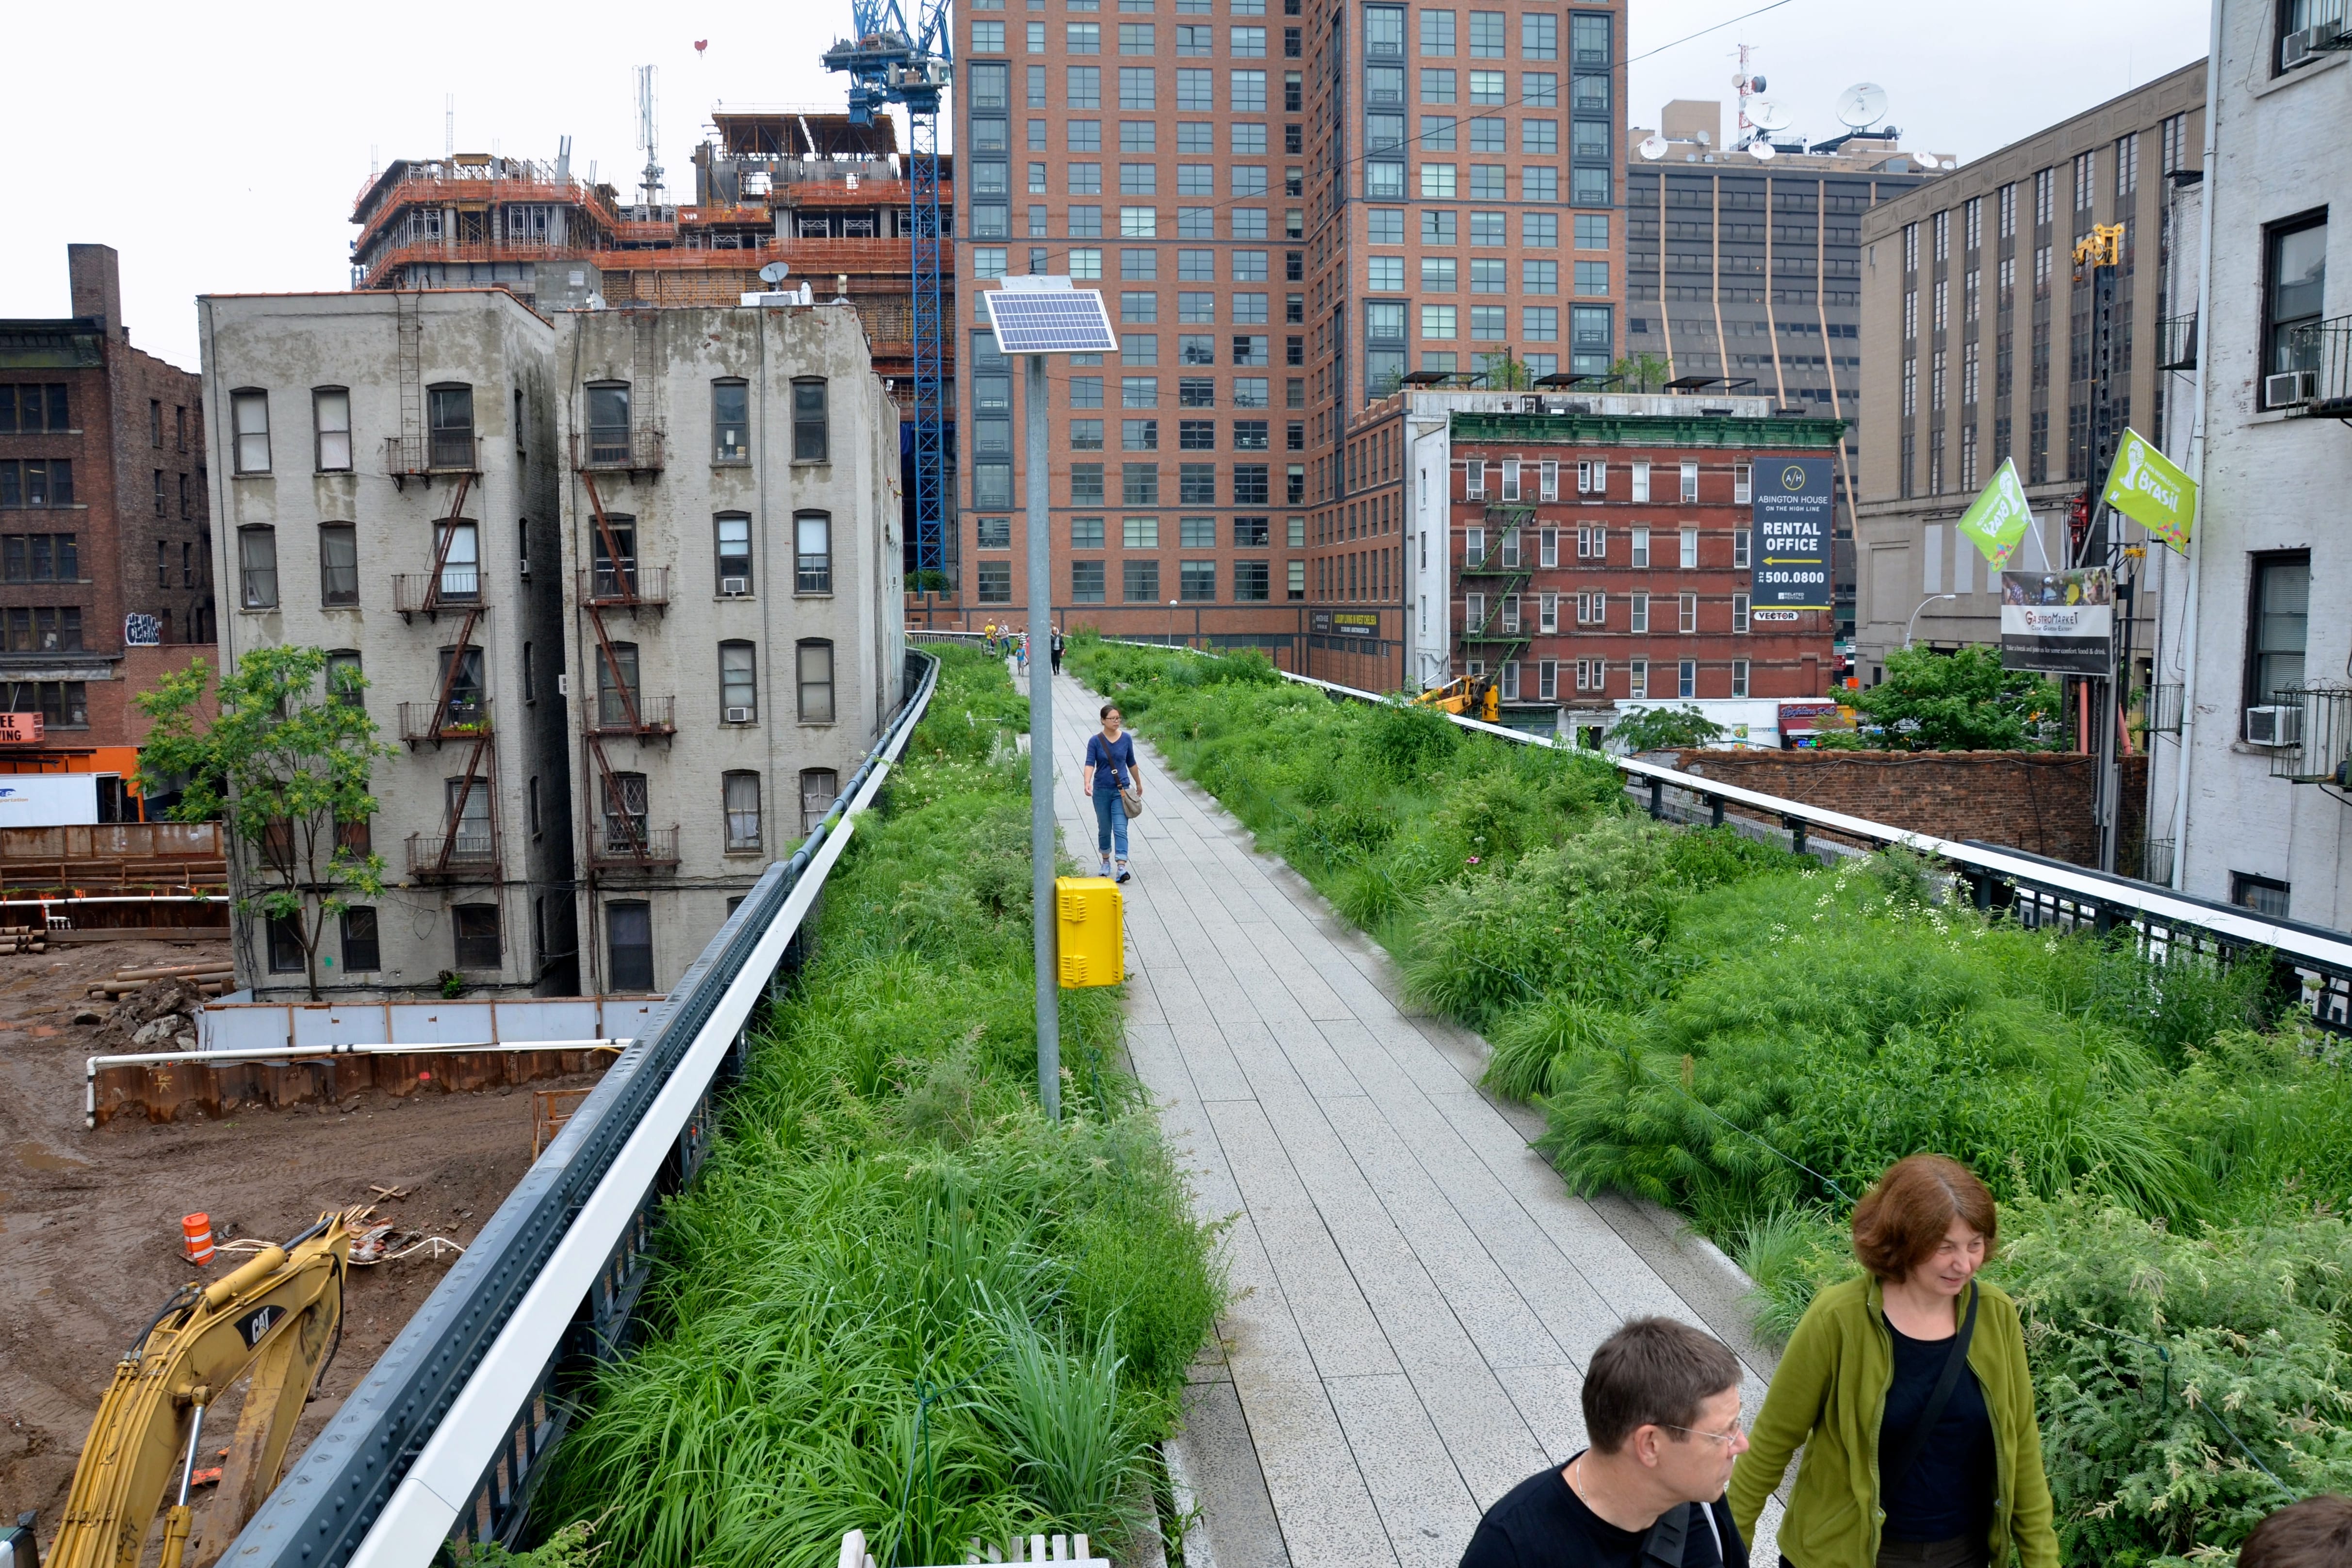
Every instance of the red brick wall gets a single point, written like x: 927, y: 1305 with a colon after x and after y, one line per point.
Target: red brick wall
x: 2036, y: 801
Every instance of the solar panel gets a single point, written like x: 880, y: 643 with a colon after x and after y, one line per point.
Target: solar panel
x: 1051, y: 321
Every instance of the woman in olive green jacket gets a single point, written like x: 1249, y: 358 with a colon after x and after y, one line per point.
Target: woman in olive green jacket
x: 1869, y: 1385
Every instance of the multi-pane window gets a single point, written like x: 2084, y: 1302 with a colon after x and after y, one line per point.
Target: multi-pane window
x: 731, y: 421
x: 31, y: 409
x: 257, y: 549
x: 249, y: 417
x: 739, y: 683
x: 812, y: 553
x: 330, y: 409
x: 740, y: 803
x: 2294, y: 285
x: 814, y: 670
x: 733, y: 535
x: 339, y: 564
x: 2277, y: 627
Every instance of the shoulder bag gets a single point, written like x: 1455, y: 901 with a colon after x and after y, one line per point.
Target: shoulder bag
x: 1130, y: 800
x: 1892, y: 1478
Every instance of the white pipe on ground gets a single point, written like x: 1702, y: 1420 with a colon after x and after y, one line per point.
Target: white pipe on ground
x: 297, y: 1053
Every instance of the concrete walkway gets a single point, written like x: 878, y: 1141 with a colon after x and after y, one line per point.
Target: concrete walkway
x: 1415, y: 1292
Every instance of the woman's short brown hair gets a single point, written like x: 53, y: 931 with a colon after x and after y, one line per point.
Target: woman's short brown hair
x: 1900, y: 1221
x: 2313, y: 1533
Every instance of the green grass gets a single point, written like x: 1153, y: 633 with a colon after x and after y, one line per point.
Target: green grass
x: 897, y: 1299
x: 1751, y: 1039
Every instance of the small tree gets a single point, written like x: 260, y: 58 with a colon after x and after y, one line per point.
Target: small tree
x: 285, y: 768
x: 1642, y: 372
x: 1958, y: 702
x: 1665, y: 729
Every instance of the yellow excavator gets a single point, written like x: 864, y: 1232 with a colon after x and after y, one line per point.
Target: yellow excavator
x: 278, y: 1316
x: 1473, y: 696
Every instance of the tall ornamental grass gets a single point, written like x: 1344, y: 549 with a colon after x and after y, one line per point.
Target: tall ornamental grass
x: 897, y: 1299
x: 1751, y: 1039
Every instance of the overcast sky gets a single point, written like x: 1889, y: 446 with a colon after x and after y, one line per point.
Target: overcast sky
x: 222, y: 155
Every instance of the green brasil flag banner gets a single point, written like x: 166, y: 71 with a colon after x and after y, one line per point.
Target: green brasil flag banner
x: 1998, y: 518
x: 2145, y: 486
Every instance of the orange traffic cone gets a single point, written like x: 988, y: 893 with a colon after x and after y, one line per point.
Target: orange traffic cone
x: 196, y: 1231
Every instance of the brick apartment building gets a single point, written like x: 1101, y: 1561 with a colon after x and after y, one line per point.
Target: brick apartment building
x: 105, y: 560
x: 1588, y: 551
x: 1289, y: 213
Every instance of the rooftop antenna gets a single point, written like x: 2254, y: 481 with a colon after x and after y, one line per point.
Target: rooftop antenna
x: 652, y: 186
x: 449, y: 125
x: 1751, y: 89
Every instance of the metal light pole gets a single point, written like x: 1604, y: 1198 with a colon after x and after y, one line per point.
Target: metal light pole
x: 1040, y: 746
x: 1930, y: 599
x: 1033, y: 317
x: 1171, y: 623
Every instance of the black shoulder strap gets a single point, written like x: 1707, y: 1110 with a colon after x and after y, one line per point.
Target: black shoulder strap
x: 1890, y: 1479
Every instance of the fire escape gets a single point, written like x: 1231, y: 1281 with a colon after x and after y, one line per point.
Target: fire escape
x: 459, y: 712
x: 620, y: 841
x: 1494, y: 573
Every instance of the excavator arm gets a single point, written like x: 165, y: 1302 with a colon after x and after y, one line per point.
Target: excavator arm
x: 277, y: 1316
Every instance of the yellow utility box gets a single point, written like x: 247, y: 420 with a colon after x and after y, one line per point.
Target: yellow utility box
x: 1088, y: 913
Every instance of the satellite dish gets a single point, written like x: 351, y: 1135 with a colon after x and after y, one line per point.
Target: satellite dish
x: 1763, y: 152
x: 1652, y: 146
x: 1754, y: 84
x: 775, y: 272
x: 1768, y: 116
x: 1704, y: 139
x: 1864, y: 103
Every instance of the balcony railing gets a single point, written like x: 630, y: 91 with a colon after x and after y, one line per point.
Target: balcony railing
x: 2307, y: 732
x: 413, y: 593
x: 441, y: 452
x: 2176, y: 343
x: 655, y: 716
x: 459, y: 719
x: 625, y: 585
x: 611, y: 848
x: 473, y: 854
x: 636, y: 449
x: 2323, y: 349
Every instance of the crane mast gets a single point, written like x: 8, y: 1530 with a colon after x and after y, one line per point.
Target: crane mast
x: 890, y: 63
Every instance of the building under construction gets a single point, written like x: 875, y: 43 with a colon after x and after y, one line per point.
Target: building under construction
x: 827, y: 198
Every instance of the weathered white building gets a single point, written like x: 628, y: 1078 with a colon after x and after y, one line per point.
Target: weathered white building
x: 730, y: 543
x: 2256, y: 649
x: 624, y: 587
x: 386, y: 489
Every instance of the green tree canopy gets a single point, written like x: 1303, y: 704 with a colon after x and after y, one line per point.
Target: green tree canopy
x: 1960, y: 702
x: 1665, y: 729
x: 285, y: 767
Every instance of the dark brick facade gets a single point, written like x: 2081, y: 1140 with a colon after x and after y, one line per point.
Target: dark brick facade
x: 2036, y: 801
x: 132, y: 429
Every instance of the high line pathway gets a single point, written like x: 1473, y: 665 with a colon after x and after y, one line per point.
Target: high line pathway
x: 1415, y: 1293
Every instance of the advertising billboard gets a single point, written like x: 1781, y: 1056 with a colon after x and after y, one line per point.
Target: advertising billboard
x: 2058, y: 621
x: 1788, y: 555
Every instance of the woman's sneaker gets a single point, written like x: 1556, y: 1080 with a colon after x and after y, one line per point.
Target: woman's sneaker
x: 1125, y: 875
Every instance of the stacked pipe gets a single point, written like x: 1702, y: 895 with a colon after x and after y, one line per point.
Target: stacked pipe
x: 23, y: 939
x: 210, y: 978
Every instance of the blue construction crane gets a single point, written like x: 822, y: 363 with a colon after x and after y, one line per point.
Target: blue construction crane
x: 890, y: 62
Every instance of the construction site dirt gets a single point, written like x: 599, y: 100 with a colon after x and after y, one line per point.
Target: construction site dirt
x: 91, y: 1220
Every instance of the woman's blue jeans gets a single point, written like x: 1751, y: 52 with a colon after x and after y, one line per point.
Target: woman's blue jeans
x: 1110, y: 821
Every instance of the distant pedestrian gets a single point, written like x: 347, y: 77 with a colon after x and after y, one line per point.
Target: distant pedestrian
x: 1055, y: 646
x: 2313, y: 1533
x: 1111, y: 772
x: 1908, y: 1390
x: 989, y: 632
x: 1662, y: 1408
x: 1021, y: 652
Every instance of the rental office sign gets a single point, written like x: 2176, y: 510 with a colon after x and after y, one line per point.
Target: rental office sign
x: 1789, y: 553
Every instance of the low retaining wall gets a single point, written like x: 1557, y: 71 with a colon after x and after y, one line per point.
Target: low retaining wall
x: 167, y: 1090
x: 2039, y: 802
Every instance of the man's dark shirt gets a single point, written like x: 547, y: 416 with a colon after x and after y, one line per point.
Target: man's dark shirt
x: 1542, y: 1523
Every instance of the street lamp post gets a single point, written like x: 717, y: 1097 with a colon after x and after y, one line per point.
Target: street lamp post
x: 1930, y: 599
x: 1171, y: 623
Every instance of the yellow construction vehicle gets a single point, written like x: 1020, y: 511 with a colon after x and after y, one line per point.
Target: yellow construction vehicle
x: 1472, y: 695
x: 278, y: 1316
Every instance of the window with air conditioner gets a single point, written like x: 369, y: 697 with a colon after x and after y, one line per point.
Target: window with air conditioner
x: 739, y: 683
x: 2295, y: 284
x: 733, y: 530
x: 2277, y: 627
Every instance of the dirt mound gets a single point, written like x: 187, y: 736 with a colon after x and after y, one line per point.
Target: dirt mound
x: 139, y: 1021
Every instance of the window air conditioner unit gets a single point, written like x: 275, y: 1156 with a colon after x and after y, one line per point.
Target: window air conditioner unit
x: 734, y: 588
x: 2295, y: 49
x: 2274, y: 725
x: 739, y: 715
x: 2287, y: 388
x: 2327, y: 35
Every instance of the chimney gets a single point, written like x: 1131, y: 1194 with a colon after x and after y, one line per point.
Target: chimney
x: 97, y: 285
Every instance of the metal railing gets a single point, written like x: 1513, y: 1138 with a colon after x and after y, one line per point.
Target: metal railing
x: 447, y: 1436
x: 2325, y: 349
x: 442, y: 452
x: 413, y: 592
x: 612, y: 847
x: 623, y: 585
x: 2176, y: 343
x: 637, y: 450
x: 474, y: 853
x: 611, y: 715
x: 459, y: 719
x: 2319, y: 736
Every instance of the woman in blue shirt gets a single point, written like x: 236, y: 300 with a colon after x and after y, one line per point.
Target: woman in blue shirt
x: 1111, y: 768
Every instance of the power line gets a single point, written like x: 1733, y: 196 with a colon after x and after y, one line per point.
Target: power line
x: 1703, y: 32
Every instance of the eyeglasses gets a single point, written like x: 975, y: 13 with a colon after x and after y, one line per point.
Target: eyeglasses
x: 1739, y: 1430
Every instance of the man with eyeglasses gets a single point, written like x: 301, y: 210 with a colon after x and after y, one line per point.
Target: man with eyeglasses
x: 1662, y: 1409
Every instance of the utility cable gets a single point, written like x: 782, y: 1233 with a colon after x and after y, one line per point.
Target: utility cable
x: 1703, y: 32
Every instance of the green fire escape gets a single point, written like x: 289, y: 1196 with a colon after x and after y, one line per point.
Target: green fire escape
x: 1498, y: 573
